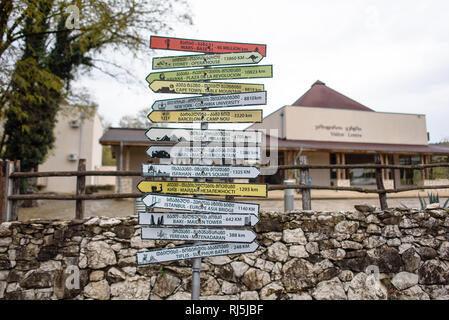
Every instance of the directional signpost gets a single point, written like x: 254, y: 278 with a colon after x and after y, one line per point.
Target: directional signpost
x: 159, y: 201
x: 205, y: 60
x: 194, y: 251
x: 216, y: 101
x: 224, y: 223
x: 198, y: 171
x: 197, y: 219
x: 248, y: 72
x: 169, y: 43
x: 239, y: 153
x: 218, y: 116
x: 228, y: 136
x: 198, y: 234
x: 204, y: 188
x: 190, y: 87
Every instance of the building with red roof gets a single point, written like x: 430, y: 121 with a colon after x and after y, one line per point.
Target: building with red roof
x: 331, y: 128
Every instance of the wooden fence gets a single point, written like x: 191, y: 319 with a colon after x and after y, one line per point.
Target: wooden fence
x: 10, y: 176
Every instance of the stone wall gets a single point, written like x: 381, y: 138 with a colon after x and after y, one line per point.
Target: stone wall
x: 395, y: 254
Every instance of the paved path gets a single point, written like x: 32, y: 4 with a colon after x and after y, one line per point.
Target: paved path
x: 49, y: 209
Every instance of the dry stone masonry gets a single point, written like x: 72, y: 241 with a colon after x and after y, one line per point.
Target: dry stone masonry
x: 366, y: 254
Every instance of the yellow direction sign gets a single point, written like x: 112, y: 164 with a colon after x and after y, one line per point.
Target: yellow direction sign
x: 203, y: 188
x: 187, y: 87
x: 247, y: 72
x: 217, y: 116
x: 203, y: 60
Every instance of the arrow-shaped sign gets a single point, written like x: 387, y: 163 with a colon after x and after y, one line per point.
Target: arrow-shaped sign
x: 204, y: 60
x: 194, y: 251
x: 191, y: 87
x: 198, y: 135
x: 198, y: 234
x: 170, y: 43
x: 213, y: 116
x: 246, y: 72
x: 197, y: 219
x: 244, y: 153
x: 216, y: 101
x: 160, y: 201
x: 198, y: 171
x: 203, y: 188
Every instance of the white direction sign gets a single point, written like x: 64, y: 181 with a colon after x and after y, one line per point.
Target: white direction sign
x: 197, y: 219
x: 159, y: 201
x: 194, y: 251
x: 198, y: 171
x: 198, y: 234
x: 139, y: 205
x: 245, y: 153
x: 215, y: 101
x: 198, y: 135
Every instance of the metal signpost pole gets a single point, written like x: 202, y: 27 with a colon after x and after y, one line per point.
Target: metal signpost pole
x: 196, y: 263
x: 196, y: 266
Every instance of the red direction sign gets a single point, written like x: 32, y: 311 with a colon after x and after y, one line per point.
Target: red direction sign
x: 169, y: 43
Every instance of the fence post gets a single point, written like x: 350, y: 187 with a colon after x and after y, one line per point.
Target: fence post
x: 15, y: 189
x: 304, y: 179
x: 80, y: 189
x: 4, y: 181
x: 380, y: 185
x: 289, y: 197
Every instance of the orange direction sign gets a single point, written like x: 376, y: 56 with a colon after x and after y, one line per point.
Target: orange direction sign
x: 204, y: 60
x: 215, y: 116
x: 194, y: 251
x: 204, y: 188
x: 169, y: 43
x: 190, y: 87
x: 245, y: 72
x: 216, y: 101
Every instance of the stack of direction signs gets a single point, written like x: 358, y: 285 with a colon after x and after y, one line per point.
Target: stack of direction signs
x: 216, y: 227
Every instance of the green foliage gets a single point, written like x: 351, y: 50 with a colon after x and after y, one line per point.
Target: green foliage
x: 40, y: 58
x: 433, y: 198
x: 107, y: 158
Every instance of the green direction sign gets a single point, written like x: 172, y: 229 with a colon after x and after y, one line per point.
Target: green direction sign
x: 204, y: 60
x: 247, y: 72
x: 187, y: 87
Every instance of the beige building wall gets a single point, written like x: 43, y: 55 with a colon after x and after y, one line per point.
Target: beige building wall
x: 133, y: 157
x: 319, y: 176
x: 325, y: 124
x: 81, y: 141
x: 274, y: 120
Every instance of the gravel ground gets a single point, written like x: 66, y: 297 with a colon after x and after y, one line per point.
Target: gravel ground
x: 51, y: 209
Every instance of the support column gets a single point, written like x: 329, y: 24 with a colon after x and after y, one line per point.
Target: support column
x: 338, y: 159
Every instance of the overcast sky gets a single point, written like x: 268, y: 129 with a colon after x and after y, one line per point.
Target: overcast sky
x: 392, y: 56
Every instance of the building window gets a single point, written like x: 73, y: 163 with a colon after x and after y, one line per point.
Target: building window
x: 360, y: 176
x: 333, y: 175
x: 410, y: 176
x: 439, y: 172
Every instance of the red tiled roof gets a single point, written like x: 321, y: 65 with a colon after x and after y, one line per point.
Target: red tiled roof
x: 321, y: 96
